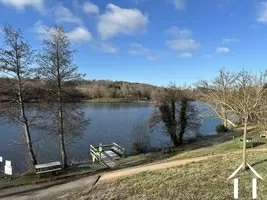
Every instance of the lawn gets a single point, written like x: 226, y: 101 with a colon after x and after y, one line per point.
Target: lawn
x: 200, y: 181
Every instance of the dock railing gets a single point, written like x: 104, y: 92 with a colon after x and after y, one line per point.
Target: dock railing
x: 120, y: 150
x: 96, y: 155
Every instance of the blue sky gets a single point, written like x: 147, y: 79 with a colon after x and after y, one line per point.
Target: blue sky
x: 151, y: 41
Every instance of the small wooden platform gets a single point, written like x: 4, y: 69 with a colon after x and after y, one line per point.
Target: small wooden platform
x: 110, y: 154
x: 107, y: 154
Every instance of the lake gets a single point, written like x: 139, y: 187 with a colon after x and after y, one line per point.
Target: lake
x: 109, y: 122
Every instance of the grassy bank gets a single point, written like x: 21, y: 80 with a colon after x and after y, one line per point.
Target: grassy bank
x: 202, y: 180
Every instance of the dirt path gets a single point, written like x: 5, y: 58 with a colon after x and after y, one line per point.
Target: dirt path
x: 55, y: 192
x: 150, y: 167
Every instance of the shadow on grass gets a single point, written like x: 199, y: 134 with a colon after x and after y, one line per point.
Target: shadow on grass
x: 260, y: 162
x: 255, y: 144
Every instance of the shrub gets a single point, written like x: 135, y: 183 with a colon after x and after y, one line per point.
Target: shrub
x: 221, y: 128
x: 141, y: 139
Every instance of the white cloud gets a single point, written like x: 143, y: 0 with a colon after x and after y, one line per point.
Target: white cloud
x: 179, y: 4
x: 90, y: 8
x: 108, y: 48
x: 262, y: 14
x: 222, y: 50
x: 179, y: 33
x: 228, y: 40
x: 41, y: 30
x: 183, y: 44
x: 21, y: 4
x: 138, y: 49
x: 76, y: 35
x: 63, y: 14
x: 117, y: 21
x: 186, y: 55
x: 80, y: 34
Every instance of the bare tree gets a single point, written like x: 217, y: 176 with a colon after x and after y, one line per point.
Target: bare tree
x: 243, y: 96
x: 57, y: 68
x: 177, y: 113
x: 215, y: 94
x: 16, y: 59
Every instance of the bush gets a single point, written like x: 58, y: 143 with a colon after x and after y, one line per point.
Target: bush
x: 141, y: 139
x: 221, y: 128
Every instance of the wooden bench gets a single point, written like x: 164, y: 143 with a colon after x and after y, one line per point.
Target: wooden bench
x: 48, y: 167
x: 263, y: 134
x: 248, y: 141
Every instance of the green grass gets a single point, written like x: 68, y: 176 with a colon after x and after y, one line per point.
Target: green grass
x: 201, y: 180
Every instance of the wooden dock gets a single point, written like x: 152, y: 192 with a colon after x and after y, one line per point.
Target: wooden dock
x: 107, y: 154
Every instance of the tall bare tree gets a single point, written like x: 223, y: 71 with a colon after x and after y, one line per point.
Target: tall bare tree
x: 57, y: 68
x: 16, y: 59
x: 177, y: 113
x: 215, y: 94
x: 243, y: 96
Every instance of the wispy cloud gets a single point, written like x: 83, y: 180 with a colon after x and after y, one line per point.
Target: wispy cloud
x: 179, y: 4
x: 90, y: 8
x: 186, y: 55
x: 222, y: 50
x: 63, y: 14
x: 262, y: 13
x: 178, y: 32
x: 138, y: 49
x: 183, y: 44
x: 21, y: 4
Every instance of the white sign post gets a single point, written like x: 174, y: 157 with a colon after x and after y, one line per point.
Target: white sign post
x: 8, y: 168
x: 1, y: 160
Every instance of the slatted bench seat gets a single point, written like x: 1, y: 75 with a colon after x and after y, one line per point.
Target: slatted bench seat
x: 249, y: 142
x: 48, y: 167
x: 263, y: 134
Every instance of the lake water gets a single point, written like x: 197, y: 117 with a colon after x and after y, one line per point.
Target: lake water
x: 108, y: 123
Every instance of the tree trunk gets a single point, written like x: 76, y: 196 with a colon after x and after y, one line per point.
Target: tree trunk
x: 245, y: 144
x: 174, y: 139
x: 183, y: 120
x: 61, y: 135
x: 29, y: 145
x: 224, y: 117
x: 25, y: 124
x: 63, y: 151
